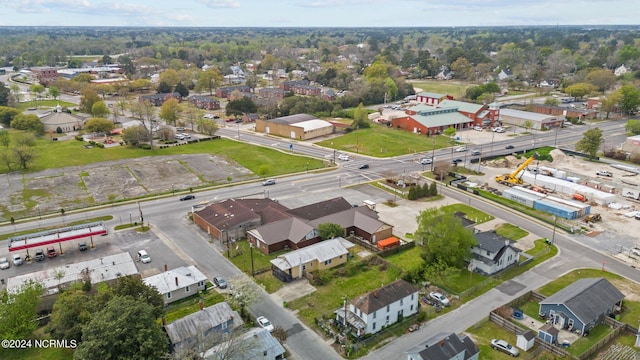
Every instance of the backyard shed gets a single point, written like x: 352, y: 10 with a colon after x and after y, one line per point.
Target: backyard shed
x: 548, y: 333
x: 525, y: 341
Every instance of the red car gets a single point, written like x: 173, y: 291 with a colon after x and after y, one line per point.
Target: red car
x: 230, y: 120
x: 51, y: 252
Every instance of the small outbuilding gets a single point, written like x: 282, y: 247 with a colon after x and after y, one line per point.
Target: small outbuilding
x: 525, y: 341
x: 388, y: 243
x: 548, y: 334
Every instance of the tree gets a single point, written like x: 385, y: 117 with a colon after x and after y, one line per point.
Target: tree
x: 182, y: 90
x: 450, y: 132
x: 15, y: 91
x: 99, y: 109
x: 207, y: 126
x: 610, y: 103
x: 580, y: 89
x: 135, y: 135
x: 170, y: 77
x: 601, y: 78
x: 37, y: 89
x: 18, y: 310
x: 527, y: 124
x: 89, y: 97
x: 170, y: 111
x: 444, y: 237
x: 134, y: 286
x: 590, y: 142
x: 209, y: 80
x: 163, y: 87
x: 71, y: 312
x: 330, y: 231
x: 439, y: 272
x: 7, y: 114
x: 28, y: 122
x: 125, y: 328
x: 243, y: 105
x: 5, y: 138
x: 551, y: 101
x: 4, y: 95
x: 98, y: 125
x: 629, y: 99
x: 632, y: 126
x: 54, y: 92
x: 360, y: 118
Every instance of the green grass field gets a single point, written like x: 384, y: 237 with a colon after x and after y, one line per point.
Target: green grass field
x: 456, y: 89
x: 384, y: 142
x: 45, y: 104
x: 57, y: 154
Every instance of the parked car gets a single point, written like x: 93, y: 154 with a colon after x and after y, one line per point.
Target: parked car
x: 456, y: 161
x: 230, y: 120
x: 4, y: 263
x: 179, y: 137
x: 477, y: 128
x: 220, y: 282
x: 83, y: 246
x: 187, y: 197
x: 144, y: 257
x: 635, y: 251
x: 363, y: 166
x: 461, y: 149
x: 51, y: 252
x: 186, y: 136
x: 438, y: 297
x: 179, y: 128
x: 268, y: 182
x: 509, y: 147
x: 505, y: 347
x: 17, y: 260
x: 264, y: 323
x: 499, y: 130
x: 604, y: 173
x: 39, y: 256
x: 426, y: 161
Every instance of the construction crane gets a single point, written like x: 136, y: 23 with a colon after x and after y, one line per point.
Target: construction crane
x: 513, y: 179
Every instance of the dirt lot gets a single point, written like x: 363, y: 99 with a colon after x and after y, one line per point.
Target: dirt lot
x: 76, y: 187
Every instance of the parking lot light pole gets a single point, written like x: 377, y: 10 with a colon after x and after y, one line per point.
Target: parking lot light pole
x: 433, y: 154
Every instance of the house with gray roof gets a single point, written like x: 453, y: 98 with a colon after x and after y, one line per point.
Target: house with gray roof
x: 445, y: 346
x: 582, y: 305
x: 257, y: 343
x: 359, y: 221
x: 493, y: 253
x: 178, y: 283
x: 208, y: 324
x: 289, y: 233
x: 369, y: 313
x: 317, y: 257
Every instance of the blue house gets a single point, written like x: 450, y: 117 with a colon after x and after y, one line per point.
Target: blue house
x: 581, y: 305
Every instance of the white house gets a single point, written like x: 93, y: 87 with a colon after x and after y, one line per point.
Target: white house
x: 178, y: 283
x: 492, y: 253
x: 621, y: 70
x: 384, y: 306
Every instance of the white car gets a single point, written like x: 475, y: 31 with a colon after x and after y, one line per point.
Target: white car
x: 17, y: 260
x: 343, y: 157
x: 4, y: 263
x: 461, y: 149
x: 426, y: 161
x: 441, y: 299
x: 635, y: 251
x: 477, y: 128
x: 264, y: 323
x: 144, y: 257
x: 604, y: 173
x: 505, y: 347
x: 498, y: 130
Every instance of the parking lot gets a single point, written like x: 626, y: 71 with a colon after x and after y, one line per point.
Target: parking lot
x: 127, y: 240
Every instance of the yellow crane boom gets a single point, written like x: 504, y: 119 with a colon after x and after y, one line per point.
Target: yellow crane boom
x: 513, y: 179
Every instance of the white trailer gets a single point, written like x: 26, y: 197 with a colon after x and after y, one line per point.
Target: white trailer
x: 631, y: 193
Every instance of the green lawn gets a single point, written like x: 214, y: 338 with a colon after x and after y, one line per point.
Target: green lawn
x: 386, y: 142
x: 353, y: 279
x: 408, y: 260
x: 182, y: 308
x: 472, y: 213
x: 45, y: 104
x: 241, y: 257
x: 457, y: 89
x: 511, y: 231
x: 57, y: 154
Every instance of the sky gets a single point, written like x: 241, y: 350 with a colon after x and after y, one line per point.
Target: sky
x: 317, y: 13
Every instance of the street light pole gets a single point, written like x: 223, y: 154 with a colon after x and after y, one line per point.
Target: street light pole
x: 251, y: 251
x: 433, y: 154
x: 555, y: 140
x: 553, y: 236
x: 492, y: 135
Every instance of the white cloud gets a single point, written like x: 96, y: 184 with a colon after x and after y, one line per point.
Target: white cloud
x: 220, y: 3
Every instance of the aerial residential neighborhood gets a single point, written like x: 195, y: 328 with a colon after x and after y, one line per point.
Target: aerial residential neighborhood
x: 301, y: 193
